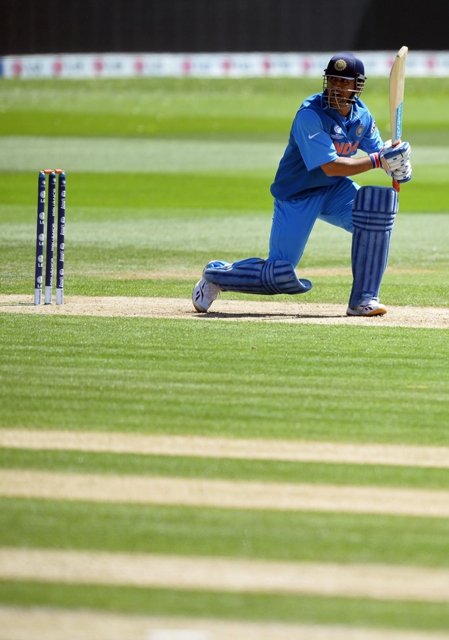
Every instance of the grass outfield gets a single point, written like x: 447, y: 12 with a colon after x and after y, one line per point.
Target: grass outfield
x: 140, y: 375
x: 164, y: 175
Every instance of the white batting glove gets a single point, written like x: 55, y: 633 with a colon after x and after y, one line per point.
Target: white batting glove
x: 394, y: 160
x: 404, y: 173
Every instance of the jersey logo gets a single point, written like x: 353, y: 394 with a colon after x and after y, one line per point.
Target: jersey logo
x: 313, y: 135
x: 346, y: 148
x: 338, y: 133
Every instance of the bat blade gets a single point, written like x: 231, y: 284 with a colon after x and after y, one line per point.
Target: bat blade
x: 397, y: 86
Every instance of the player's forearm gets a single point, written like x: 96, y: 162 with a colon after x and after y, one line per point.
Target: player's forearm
x: 347, y: 166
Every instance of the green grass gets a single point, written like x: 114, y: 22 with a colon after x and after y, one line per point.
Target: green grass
x: 163, y: 175
x: 246, y: 108
x: 234, y: 606
x: 142, y: 191
x: 258, y: 470
x: 234, y: 194
x: 287, y: 381
x: 308, y: 537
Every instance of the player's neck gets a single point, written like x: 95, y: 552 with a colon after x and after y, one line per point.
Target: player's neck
x: 345, y: 111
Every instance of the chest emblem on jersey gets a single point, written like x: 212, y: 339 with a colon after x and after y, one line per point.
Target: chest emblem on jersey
x: 337, y: 133
x: 359, y: 130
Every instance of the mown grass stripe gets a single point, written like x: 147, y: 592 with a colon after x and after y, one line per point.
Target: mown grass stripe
x: 380, y: 582
x: 226, y: 468
x: 233, y: 448
x: 231, y: 606
x: 149, y: 375
x: 131, y: 155
x: 53, y: 624
x: 306, y: 536
x: 224, y: 494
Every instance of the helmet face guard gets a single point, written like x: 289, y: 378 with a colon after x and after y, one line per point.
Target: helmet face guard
x: 345, y: 66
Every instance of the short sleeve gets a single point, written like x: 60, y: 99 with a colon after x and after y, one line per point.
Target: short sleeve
x: 314, y: 143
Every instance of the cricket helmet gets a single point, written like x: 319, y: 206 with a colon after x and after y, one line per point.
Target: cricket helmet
x: 348, y: 66
x: 345, y: 65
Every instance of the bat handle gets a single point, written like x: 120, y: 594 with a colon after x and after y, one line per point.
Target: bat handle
x: 396, y: 185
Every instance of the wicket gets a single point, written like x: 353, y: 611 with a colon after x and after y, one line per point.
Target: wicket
x: 50, y: 240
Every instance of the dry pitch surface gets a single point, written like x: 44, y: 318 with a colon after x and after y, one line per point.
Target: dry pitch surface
x: 243, y: 310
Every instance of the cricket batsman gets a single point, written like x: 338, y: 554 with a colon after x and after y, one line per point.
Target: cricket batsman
x: 313, y: 181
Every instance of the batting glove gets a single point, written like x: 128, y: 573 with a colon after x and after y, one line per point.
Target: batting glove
x: 404, y: 173
x: 394, y: 160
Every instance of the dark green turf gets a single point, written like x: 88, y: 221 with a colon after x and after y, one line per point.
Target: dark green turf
x: 276, y: 535
x: 413, y: 616
x: 240, y: 108
x: 142, y: 190
x: 202, y: 192
x: 250, y: 379
x: 192, y: 467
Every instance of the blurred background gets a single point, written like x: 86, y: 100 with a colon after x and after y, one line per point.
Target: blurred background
x: 30, y: 27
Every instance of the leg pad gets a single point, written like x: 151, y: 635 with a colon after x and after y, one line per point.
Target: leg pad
x: 373, y: 217
x: 255, y: 275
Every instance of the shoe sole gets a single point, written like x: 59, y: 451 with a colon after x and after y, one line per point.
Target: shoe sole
x: 370, y: 314
x: 197, y: 309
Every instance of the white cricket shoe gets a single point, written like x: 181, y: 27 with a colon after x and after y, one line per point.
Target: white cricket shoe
x: 367, y: 308
x: 203, y: 294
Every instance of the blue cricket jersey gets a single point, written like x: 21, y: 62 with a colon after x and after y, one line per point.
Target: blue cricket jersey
x: 319, y: 135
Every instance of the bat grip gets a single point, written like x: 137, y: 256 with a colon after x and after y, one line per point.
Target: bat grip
x: 396, y: 185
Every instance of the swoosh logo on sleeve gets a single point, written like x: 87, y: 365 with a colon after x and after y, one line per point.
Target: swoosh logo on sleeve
x: 313, y: 135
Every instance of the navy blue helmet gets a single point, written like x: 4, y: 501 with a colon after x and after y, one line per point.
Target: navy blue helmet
x: 347, y: 66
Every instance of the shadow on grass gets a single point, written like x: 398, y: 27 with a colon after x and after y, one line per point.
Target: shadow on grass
x: 219, y: 315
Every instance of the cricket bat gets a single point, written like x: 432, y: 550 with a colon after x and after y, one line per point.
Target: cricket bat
x: 397, y: 83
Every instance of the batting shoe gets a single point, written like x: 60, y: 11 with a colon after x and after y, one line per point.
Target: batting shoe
x: 367, y: 308
x: 203, y: 294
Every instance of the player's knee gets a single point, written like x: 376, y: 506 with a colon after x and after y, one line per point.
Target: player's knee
x: 374, y: 208
x: 281, y: 277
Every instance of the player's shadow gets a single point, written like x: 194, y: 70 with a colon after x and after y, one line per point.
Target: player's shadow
x: 221, y: 315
